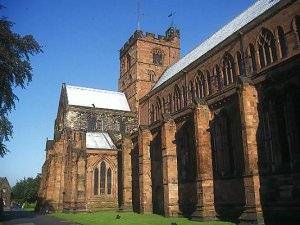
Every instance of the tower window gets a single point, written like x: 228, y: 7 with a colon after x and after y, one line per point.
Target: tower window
x: 157, y: 57
x: 151, y: 74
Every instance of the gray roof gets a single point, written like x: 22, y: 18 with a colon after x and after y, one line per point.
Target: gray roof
x: 99, y: 140
x: 89, y: 97
x: 254, y: 11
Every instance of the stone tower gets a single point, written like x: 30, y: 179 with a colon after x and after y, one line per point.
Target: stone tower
x: 143, y: 59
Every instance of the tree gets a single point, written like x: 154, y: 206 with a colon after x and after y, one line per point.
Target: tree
x: 26, y: 190
x: 15, y: 71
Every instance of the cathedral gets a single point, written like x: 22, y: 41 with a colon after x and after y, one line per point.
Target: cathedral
x: 214, y: 134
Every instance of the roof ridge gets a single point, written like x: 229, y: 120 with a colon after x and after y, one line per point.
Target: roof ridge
x: 94, y: 89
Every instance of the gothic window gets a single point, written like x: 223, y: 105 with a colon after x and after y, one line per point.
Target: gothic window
x: 109, y: 181
x: 164, y: 106
x: 191, y: 91
x: 209, y: 87
x: 184, y: 96
x: 218, y: 78
x: 202, y: 86
x: 157, y: 109
x: 128, y: 62
x: 266, y: 48
x: 96, y: 181
x: 157, y: 57
x: 239, y: 62
x: 170, y: 103
x: 152, y: 76
x: 296, y: 26
x: 228, y: 69
x: 197, y: 86
x: 282, y: 42
x: 252, y: 57
x: 102, y: 177
x: 177, y: 98
x: 91, y: 123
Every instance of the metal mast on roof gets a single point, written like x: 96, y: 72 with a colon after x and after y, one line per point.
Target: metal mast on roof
x: 139, y: 15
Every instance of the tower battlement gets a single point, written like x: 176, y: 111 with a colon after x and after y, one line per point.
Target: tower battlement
x: 172, y: 34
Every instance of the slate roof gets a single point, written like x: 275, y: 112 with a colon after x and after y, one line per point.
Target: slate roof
x: 98, y: 140
x: 254, y: 11
x: 89, y: 97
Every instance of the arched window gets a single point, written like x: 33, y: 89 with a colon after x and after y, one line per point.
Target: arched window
x: 252, y: 58
x: 296, y: 27
x: 228, y: 69
x: 202, y: 87
x: 197, y: 86
x: 240, y: 63
x: 105, y: 178
x: 109, y: 181
x: 102, y: 177
x: 218, y: 78
x: 209, y: 87
x: 282, y: 42
x: 164, y: 105
x: 266, y: 48
x: 96, y: 181
x: 191, y: 91
x: 184, y: 96
x: 177, y: 98
x: 157, y: 57
x: 152, y: 76
x: 170, y: 103
x: 157, y: 109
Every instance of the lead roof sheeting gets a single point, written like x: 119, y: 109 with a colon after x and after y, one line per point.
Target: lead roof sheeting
x: 254, y: 11
x: 89, y: 97
x: 97, y: 140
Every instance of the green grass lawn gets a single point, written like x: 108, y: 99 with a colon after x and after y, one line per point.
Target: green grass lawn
x: 128, y: 218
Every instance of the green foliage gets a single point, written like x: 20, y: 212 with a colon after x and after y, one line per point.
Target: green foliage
x: 15, y: 71
x: 26, y: 190
x: 127, y: 218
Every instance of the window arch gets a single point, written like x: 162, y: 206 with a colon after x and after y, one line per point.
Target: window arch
x: 164, y: 106
x: 218, y: 78
x: 157, y: 109
x: 239, y: 62
x: 157, y: 57
x: 202, y: 87
x: 102, y: 179
x: 209, y: 87
x: 109, y: 183
x: 177, y: 98
x: 228, y: 69
x: 282, y: 42
x: 152, y: 76
x: 266, y: 48
x: 252, y: 58
x: 170, y: 103
x: 184, y: 96
x: 96, y: 181
x: 197, y: 86
x: 191, y: 91
x: 296, y: 27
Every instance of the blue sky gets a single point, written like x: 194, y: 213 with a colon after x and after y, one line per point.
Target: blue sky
x: 81, y: 40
